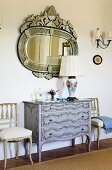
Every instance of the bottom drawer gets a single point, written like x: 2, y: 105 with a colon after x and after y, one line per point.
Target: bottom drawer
x: 64, y: 133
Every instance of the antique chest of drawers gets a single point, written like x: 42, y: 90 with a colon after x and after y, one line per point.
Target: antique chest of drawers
x: 55, y: 121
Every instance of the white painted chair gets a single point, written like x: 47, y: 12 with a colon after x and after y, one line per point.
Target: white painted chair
x: 96, y: 122
x: 10, y: 131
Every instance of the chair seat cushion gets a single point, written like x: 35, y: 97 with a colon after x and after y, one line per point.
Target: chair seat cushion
x: 15, y: 133
x: 96, y: 122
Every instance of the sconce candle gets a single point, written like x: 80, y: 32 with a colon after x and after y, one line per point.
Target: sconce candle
x: 109, y: 35
x: 98, y: 34
x: 0, y: 22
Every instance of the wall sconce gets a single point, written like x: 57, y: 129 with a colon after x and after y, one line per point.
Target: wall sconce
x: 100, y: 39
x: 0, y: 22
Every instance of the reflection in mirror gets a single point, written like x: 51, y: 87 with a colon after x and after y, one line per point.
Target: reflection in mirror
x: 38, y: 49
x: 43, y: 40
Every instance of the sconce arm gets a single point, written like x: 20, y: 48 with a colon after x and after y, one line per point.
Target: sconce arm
x: 103, y: 45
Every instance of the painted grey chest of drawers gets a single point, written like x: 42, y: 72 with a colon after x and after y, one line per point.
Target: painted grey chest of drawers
x: 55, y: 121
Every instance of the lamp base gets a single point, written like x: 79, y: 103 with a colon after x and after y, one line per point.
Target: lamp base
x: 71, y: 84
x: 71, y: 99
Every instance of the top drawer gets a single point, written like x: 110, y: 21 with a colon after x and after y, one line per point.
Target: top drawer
x: 53, y: 114
x: 65, y: 106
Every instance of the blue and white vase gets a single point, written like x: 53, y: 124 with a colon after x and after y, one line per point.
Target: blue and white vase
x: 71, y: 84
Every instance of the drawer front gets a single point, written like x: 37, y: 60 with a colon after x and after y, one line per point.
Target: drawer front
x: 61, y: 107
x: 64, y: 113
x: 60, y: 121
x: 64, y: 118
x: 63, y: 133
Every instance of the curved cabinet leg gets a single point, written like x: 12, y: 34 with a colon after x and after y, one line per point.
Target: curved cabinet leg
x: 73, y: 142
x: 89, y: 142
x: 40, y: 152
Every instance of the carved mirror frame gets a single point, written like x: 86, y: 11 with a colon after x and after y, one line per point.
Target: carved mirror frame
x: 47, y: 23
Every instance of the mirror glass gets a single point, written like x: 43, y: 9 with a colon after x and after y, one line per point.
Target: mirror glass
x: 39, y: 48
x: 43, y: 40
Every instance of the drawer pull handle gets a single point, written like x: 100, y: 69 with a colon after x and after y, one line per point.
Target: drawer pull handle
x: 50, y: 120
x: 50, y: 134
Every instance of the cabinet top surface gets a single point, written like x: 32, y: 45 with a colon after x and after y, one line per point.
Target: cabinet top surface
x: 57, y: 101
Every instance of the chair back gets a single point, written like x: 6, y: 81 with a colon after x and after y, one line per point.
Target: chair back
x: 94, y: 107
x: 8, y: 115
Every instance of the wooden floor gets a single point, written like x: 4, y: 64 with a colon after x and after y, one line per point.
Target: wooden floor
x: 57, y: 153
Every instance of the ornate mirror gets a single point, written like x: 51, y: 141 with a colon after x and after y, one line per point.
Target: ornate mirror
x: 43, y: 40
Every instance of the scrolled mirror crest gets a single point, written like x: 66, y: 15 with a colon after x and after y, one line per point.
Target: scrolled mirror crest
x: 47, y: 34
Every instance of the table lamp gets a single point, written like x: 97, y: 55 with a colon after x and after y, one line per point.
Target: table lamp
x: 70, y: 68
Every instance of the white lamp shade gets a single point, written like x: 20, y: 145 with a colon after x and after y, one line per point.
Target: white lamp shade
x: 70, y: 66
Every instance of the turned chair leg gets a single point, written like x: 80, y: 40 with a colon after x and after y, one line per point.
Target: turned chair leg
x: 30, y: 149
x: 17, y: 149
x: 98, y: 137
x: 5, y: 153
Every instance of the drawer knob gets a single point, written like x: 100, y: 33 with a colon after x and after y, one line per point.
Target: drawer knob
x: 50, y: 134
x: 82, y: 116
x: 50, y: 120
x: 82, y: 129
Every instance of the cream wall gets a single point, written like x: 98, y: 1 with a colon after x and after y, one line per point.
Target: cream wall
x: 17, y: 83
